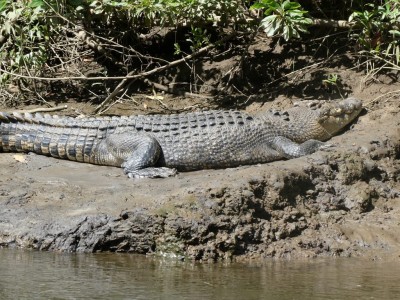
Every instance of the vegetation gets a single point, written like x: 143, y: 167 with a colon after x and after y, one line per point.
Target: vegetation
x: 285, y: 18
x: 379, y: 27
x: 58, y: 42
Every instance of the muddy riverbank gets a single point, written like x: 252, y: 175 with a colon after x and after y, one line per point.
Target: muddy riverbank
x: 343, y: 201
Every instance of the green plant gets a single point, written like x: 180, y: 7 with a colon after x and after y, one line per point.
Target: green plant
x: 331, y: 80
x: 25, y: 34
x: 31, y: 29
x: 378, y: 28
x: 198, y: 38
x: 163, y: 12
x: 285, y: 18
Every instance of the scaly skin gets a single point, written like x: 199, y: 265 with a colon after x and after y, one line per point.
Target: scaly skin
x: 156, y: 145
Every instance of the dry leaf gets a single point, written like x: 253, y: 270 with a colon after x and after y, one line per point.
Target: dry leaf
x: 20, y: 158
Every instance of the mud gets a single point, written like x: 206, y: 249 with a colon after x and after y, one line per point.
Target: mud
x: 342, y: 201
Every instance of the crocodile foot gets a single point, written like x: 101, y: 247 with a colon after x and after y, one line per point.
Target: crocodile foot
x: 151, y: 172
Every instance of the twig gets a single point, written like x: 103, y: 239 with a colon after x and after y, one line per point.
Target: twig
x: 43, y: 109
x: 153, y: 71
x: 238, y: 68
x: 395, y: 66
x: 174, y: 91
x: 381, y: 96
x: 77, y: 78
x: 158, y: 98
x: 126, y: 77
x: 94, y: 43
x: 303, y: 69
x: 333, y: 23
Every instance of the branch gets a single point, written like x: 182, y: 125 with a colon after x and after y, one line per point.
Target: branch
x: 156, y: 70
x: 43, y: 109
x: 77, y: 78
x: 126, y: 77
x: 92, y: 40
x: 174, y: 91
x: 333, y: 23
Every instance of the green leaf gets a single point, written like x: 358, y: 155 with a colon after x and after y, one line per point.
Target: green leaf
x: 258, y: 6
x: 36, y: 3
x: 268, y: 5
x: 274, y: 28
x: 269, y: 18
x: 271, y: 25
x: 287, y: 5
x: 295, y: 33
x: 394, y: 32
x: 387, y: 52
x: 3, y: 5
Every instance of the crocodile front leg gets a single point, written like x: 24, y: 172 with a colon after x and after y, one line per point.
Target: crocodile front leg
x: 136, y: 152
x: 290, y: 149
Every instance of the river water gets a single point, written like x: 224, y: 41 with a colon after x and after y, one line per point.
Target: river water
x: 43, y: 275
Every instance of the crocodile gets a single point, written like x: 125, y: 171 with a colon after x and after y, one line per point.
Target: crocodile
x: 161, y: 145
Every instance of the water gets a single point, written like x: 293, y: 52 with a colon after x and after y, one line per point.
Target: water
x: 42, y: 275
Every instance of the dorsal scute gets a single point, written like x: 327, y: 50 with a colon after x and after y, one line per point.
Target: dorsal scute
x: 6, y: 118
x: 11, y: 117
x: 151, y: 123
x: 19, y: 117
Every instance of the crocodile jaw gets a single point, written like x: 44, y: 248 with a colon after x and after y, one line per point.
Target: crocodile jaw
x: 336, y: 117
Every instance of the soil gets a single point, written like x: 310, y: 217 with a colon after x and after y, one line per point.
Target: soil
x: 341, y: 201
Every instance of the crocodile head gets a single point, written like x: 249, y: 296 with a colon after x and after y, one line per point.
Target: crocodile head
x: 334, y: 117
x: 319, y: 120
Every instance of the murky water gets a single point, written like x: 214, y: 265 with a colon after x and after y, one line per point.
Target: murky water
x: 41, y: 275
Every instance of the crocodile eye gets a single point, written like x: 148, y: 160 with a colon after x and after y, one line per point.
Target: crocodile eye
x: 338, y: 111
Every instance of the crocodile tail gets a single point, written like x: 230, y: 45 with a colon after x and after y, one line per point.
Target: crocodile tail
x: 16, y: 117
x: 24, y: 133
x: 7, y: 120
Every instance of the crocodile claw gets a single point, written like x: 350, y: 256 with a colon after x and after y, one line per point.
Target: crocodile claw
x: 161, y: 172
